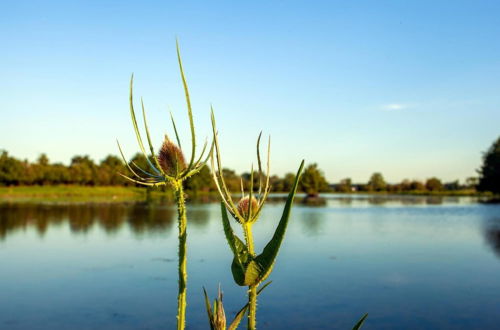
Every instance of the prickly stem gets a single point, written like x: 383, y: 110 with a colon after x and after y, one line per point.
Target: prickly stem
x: 181, y: 298
x: 252, y: 307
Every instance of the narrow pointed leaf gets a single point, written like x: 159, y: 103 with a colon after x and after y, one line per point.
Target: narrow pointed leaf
x: 145, y: 172
x: 190, y: 112
x: 259, y: 163
x: 267, y: 257
x: 250, y: 196
x: 241, y: 313
x: 150, y: 143
x: 237, y: 246
x: 152, y: 184
x: 238, y: 318
x: 126, y: 163
x: 136, y: 128
x: 175, y: 130
x: 360, y: 322
x: 263, y: 287
x: 224, y: 192
x: 209, y: 309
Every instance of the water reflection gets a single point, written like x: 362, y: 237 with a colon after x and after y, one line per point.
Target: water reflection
x: 374, y: 200
x: 313, y: 222
x: 397, y: 257
x: 159, y: 215
x: 140, y: 217
x: 491, y: 234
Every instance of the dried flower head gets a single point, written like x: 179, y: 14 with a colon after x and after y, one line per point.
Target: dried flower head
x: 171, y: 158
x: 243, y: 205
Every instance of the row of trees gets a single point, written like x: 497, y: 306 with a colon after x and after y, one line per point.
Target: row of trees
x: 377, y: 183
x: 84, y: 171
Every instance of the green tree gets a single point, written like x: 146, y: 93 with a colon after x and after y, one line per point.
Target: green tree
x: 41, y: 170
x: 233, y: 181
x: 313, y: 181
x: 276, y: 183
x: 288, y: 180
x: 345, y: 185
x: 417, y: 185
x: 471, y: 182
x: 377, y: 182
x: 489, y: 173
x: 83, y: 170
x: 201, y: 182
x: 12, y: 170
x: 108, y: 170
x: 434, y: 184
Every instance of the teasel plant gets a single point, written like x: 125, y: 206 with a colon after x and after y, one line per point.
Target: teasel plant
x: 169, y: 167
x: 217, y: 316
x: 248, y: 268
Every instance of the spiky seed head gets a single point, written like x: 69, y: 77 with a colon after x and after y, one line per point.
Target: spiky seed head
x: 171, y: 158
x: 219, y: 315
x: 243, y: 206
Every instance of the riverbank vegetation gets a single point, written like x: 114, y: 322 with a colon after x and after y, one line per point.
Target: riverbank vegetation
x: 85, y: 177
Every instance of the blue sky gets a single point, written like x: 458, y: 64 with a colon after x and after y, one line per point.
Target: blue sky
x: 410, y: 89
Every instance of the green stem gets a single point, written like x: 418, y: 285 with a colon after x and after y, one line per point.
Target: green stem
x: 247, y: 231
x: 181, y: 298
x: 252, y: 310
x: 252, y: 289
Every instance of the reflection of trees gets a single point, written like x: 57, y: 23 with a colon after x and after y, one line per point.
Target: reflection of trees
x: 141, y: 217
x: 434, y: 200
x: 313, y: 201
x: 198, y: 216
x: 377, y: 200
x: 145, y: 217
x: 80, y: 218
x: 312, y: 222
x: 491, y: 234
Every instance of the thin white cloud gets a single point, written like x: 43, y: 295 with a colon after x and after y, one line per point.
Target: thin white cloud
x: 395, y: 107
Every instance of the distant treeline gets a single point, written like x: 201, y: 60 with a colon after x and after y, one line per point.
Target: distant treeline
x: 82, y: 170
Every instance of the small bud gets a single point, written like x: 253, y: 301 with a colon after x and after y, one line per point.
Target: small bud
x: 219, y: 315
x: 243, y: 206
x: 171, y: 158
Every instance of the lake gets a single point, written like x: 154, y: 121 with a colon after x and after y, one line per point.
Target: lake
x: 410, y: 262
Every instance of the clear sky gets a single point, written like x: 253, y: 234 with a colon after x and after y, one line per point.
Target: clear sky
x: 410, y: 89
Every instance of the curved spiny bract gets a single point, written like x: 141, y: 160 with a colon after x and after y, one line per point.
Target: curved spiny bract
x: 168, y: 166
x: 161, y: 174
x: 251, y: 214
x: 252, y: 270
x: 249, y: 269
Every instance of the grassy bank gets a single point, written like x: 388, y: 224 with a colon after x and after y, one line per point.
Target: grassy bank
x: 121, y: 193
x: 72, y: 193
x: 462, y: 192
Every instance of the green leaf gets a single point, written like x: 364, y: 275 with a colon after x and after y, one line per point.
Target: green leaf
x: 190, y: 112
x: 238, y: 248
x: 267, y: 257
x: 360, y: 322
x: 175, y: 130
x: 263, y: 287
x: 237, y: 318
x: 209, y: 309
x: 136, y: 127
x: 151, y: 148
x: 252, y: 273
x: 241, y: 313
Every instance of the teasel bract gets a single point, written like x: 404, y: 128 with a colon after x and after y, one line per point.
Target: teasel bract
x: 217, y: 316
x: 248, y: 268
x: 169, y: 168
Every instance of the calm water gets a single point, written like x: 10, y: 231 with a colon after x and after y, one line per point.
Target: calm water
x: 411, y: 263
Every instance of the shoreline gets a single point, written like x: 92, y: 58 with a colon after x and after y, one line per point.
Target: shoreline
x: 122, y: 193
